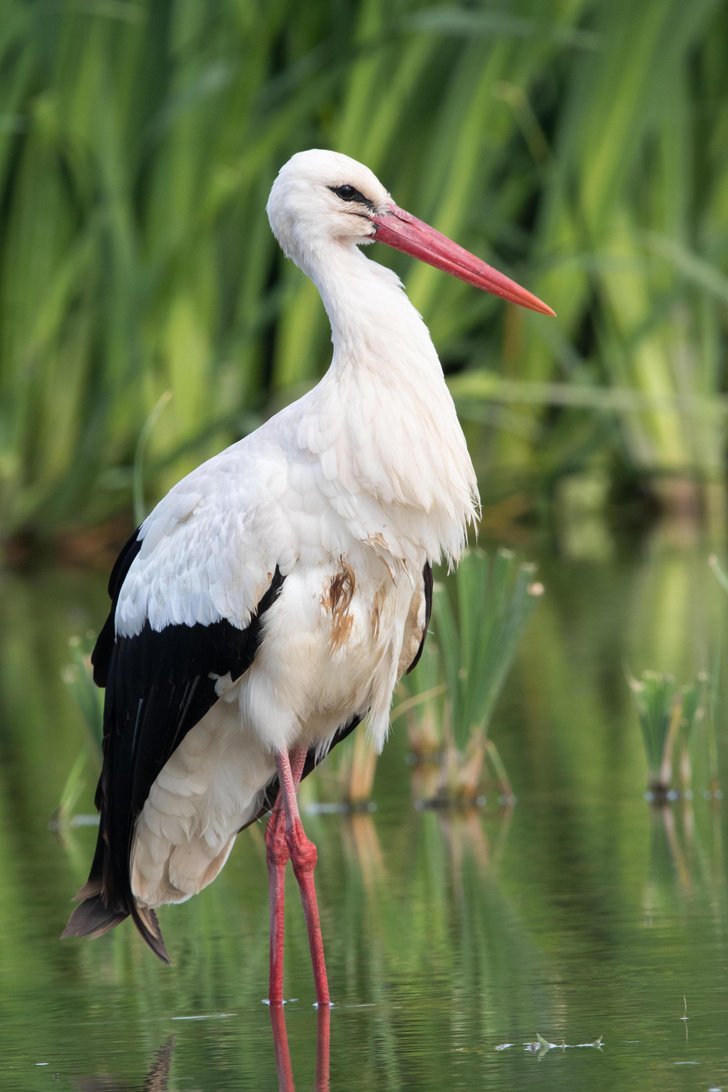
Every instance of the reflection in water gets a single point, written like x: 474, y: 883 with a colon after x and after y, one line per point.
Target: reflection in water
x: 280, y: 1043
x: 156, y: 1080
x: 464, y: 833
x: 677, y: 856
x: 362, y: 845
x: 283, y: 1054
x: 452, y: 933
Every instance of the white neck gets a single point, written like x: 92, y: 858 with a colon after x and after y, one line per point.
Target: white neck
x: 373, y: 324
x: 384, y: 406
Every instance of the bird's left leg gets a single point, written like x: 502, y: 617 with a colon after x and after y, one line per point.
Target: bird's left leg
x: 303, y: 858
x: 277, y: 855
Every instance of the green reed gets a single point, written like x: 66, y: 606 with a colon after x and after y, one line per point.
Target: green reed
x: 579, y: 145
x: 670, y: 718
x: 451, y: 704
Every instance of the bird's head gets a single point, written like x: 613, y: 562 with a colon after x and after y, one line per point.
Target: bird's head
x: 321, y: 197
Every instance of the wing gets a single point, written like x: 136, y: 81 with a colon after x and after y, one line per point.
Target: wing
x: 160, y: 669
x: 314, y: 757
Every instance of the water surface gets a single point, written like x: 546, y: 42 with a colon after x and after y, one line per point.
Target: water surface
x: 454, y: 940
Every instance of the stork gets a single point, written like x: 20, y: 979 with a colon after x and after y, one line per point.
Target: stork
x: 274, y: 597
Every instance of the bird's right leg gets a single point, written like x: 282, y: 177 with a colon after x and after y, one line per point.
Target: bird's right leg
x: 303, y: 859
x: 277, y: 855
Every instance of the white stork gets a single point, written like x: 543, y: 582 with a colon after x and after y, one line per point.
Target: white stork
x: 275, y: 596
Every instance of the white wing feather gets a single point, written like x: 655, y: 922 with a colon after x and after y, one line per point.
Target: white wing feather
x: 210, y: 547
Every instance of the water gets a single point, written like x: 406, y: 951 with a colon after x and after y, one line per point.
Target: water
x: 453, y: 940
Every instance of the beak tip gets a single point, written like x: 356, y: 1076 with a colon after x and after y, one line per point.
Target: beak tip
x: 541, y: 307
x: 537, y: 305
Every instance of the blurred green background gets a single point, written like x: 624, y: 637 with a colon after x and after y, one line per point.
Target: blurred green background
x: 580, y: 145
x: 148, y: 318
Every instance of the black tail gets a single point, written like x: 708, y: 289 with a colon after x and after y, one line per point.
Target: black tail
x: 98, y: 913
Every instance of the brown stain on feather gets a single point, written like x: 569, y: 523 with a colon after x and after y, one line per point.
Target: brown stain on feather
x: 379, y: 546
x: 338, y: 600
x: 377, y: 606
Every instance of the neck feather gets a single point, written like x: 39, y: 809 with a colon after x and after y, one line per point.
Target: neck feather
x: 373, y: 324
x: 384, y: 412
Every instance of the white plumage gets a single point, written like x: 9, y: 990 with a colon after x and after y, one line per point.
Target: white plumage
x: 336, y: 505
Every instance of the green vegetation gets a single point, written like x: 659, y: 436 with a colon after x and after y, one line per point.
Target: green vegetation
x: 89, y: 700
x: 659, y: 715
x: 78, y: 677
x: 579, y: 144
x: 669, y: 718
x: 448, y: 702
x: 476, y: 648
x: 147, y: 318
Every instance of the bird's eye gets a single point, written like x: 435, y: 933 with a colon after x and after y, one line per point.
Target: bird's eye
x: 349, y: 193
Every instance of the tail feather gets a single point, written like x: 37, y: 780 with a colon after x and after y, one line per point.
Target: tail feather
x: 91, y: 887
x: 146, y: 922
x: 102, y: 910
x: 93, y: 918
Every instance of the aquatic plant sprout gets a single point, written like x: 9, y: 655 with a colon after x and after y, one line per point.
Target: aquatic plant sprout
x: 476, y: 642
x: 670, y: 716
x: 495, y: 600
x: 654, y: 698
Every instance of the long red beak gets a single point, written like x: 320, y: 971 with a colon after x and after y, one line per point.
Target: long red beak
x: 399, y: 229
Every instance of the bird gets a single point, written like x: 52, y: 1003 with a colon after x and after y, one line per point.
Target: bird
x: 273, y: 598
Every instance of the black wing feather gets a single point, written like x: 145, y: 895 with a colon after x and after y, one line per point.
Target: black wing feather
x: 101, y: 655
x: 427, y: 580
x: 159, y: 685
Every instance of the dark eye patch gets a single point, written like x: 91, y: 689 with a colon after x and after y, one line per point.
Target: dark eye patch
x: 349, y: 193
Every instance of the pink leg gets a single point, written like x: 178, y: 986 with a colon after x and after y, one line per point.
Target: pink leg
x: 303, y: 857
x: 277, y: 854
